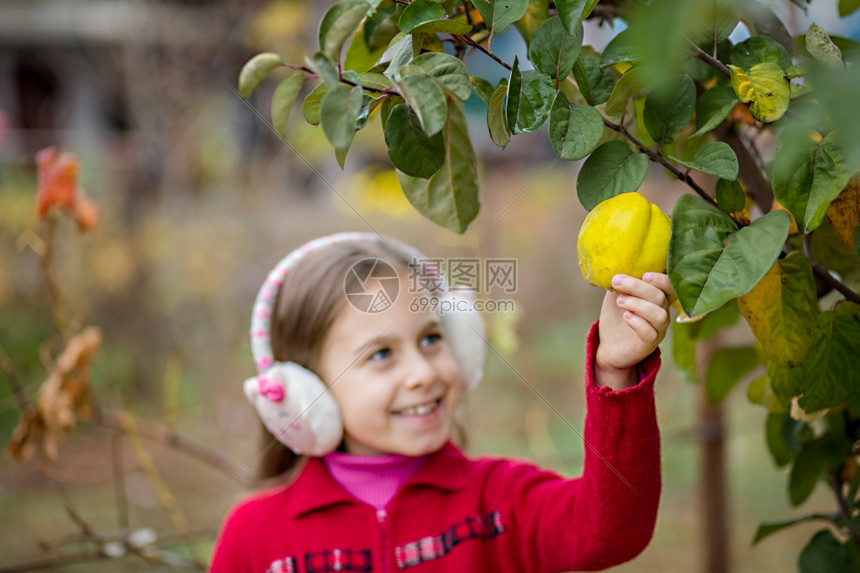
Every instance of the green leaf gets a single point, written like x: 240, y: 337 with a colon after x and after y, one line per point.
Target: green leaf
x: 513, y: 94
x: 398, y: 54
x: 499, y: 14
x: 530, y: 97
x: 283, y: 100
x: 807, y: 176
x: 822, y: 48
x: 374, y: 80
x: 425, y: 17
x: 826, y: 553
x: 730, y: 196
x: 359, y: 57
x: 785, y: 382
x: 380, y: 27
x: 711, y: 262
x: 834, y: 354
x: 684, y: 351
x: 424, y: 95
x: 712, y: 108
x: 339, y: 22
x: 780, y: 309
x: 714, y: 158
x: 595, y: 83
x: 759, y: 50
x: 847, y: 7
x: 726, y: 368
x: 770, y: 527
x: 339, y: 113
x: 420, y: 12
x: 324, y: 69
x: 410, y: 149
x: 536, y: 14
x: 553, y: 50
x: 807, y: 468
x: 669, y: 107
x: 450, y: 196
x: 620, y: 49
x: 483, y: 88
x: 625, y: 88
x: 573, y: 12
x: 311, y: 105
x: 612, y: 169
x: 449, y: 71
x: 777, y: 428
x: 255, y: 70
x: 500, y: 133
x: 574, y: 133
x: 765, y: 86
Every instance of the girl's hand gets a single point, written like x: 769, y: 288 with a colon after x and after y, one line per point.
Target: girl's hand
x: 633, y: 321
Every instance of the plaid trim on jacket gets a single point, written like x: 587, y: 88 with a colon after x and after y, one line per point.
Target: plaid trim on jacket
x: 457, y: 514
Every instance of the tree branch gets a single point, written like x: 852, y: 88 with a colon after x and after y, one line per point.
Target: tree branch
x: 710, y: 60
x: 310, y: 72
x: 822, y: 272
x: 481, y: 48
x: 116, y: 421
x: 844, y: 510
x: 658, y: 158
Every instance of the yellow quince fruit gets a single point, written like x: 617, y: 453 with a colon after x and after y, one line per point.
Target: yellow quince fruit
x: 624, y: 234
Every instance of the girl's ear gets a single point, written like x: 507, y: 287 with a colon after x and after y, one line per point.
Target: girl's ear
x: 466, y: 334
x: 297, y: 408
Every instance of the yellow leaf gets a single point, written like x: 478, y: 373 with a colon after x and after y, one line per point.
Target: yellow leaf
x: 765, y: 87
x: 844, y: 211
x: 781, y: 308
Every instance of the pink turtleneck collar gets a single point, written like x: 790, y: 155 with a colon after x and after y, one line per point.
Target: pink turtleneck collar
x: 372, y: 479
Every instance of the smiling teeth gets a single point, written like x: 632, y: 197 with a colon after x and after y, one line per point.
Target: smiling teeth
x: 421, y: 410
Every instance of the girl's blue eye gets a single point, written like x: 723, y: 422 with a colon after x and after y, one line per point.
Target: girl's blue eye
x: 381, y: 354
x: 431, y: 339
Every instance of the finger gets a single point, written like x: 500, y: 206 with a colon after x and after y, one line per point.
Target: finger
x: 643, y: 329
x: 656, y: 316
x: 661, y: 281
x: 638, y: 288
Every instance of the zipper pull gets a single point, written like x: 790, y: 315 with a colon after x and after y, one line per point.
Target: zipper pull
x: 380, y: 516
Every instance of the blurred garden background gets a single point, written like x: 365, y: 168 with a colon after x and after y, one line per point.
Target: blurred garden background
x: 197, y: 199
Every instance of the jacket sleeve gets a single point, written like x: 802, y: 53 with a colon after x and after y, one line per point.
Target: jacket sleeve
x: 606, y: 516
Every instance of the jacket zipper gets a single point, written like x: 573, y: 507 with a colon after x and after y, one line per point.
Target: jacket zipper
x: 381, y: 517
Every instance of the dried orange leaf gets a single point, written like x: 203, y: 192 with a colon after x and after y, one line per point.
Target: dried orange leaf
x: 57, y: 180
x: 63, y: 399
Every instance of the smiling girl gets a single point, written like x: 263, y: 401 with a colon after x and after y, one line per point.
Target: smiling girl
x: 358, y: 390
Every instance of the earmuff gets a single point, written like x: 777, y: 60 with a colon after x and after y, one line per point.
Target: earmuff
x: 293, y: 403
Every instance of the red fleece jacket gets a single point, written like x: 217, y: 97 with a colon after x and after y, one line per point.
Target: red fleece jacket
x: 457, y: 514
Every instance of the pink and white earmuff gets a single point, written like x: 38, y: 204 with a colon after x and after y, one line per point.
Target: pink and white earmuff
x: 293, y: 402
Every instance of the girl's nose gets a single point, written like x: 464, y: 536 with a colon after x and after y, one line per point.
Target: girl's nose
x: 420, y: 371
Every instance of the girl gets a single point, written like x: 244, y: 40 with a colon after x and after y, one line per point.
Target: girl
x: 361, y: 384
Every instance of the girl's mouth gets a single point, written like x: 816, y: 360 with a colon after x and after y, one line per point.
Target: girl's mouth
x: 420, y: 409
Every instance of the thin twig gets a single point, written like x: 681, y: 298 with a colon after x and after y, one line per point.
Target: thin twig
x: 51, y: 276
x: 8, y: 369
x: 481, y: 48
x: 822, y: 272
x: 119, y: 484
x: 658, y: 158
x: 115, y: 420
x: 310, y: 72
x: 710, y: 60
